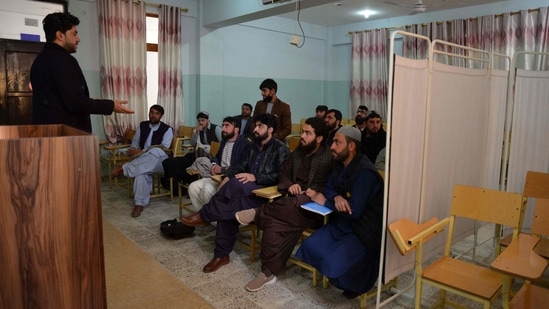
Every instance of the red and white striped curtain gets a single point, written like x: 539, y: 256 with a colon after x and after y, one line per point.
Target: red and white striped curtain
x: 370, y: 76
x: 122, y: 37
x: 170, y: 78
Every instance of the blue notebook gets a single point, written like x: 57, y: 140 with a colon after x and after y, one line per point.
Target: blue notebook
x: 317, y: 208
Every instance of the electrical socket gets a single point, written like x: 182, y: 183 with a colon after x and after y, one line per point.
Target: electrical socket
x: 294, y: 40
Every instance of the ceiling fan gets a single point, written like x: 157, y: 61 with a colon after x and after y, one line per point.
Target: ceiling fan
x: 416, y: 8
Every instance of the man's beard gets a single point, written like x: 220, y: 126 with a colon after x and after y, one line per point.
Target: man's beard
x: 227, y: 136
x: 307, y: 148
x: 331, y: 126
x: 342, y: 156
x: 359, y: 120
x: 154, y: 121
x: 268, y: 99
x: 259, y: 138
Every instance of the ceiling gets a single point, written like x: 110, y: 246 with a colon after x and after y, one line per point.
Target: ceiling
x: 344, y: 12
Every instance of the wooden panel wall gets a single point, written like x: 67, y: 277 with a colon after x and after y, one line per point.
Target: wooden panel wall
x: 50, y: 219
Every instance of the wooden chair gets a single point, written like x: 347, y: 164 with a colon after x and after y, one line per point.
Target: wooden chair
x: 116, y: 154
x: 251, y: 244
x: 293, y: 142
x: 536, y: 185
x: 520, y: 260
x: 214, y: 148
x: 185, y: 133
x: 456, y: 276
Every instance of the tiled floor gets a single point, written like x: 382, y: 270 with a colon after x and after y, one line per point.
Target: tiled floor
x: 225, y: 287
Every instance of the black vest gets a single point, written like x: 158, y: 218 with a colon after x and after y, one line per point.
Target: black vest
x: 210, y: 134
x: 157, y: 135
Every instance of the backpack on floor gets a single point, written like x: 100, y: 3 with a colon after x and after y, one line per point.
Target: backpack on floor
x: 175, y: 230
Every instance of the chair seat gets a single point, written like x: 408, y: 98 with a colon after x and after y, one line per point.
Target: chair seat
x: 465, y: 277
x: 530, y: 296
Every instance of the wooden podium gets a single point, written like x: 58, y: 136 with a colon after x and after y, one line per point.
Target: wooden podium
x: 51, y: 241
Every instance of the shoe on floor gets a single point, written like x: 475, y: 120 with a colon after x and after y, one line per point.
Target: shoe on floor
x: 215, y: 264
x: 137, y: 209
x: 244, y: 217
x: 260, y: 281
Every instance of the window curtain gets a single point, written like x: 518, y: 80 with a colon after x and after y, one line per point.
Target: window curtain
x: 505, y: 34
x: 370, y: 71
x: 122, y: 39
x: 170, y: 79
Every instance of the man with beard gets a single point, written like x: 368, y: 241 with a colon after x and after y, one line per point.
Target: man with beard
x: 360, y: 118
x: 347, y: 249
x: 245, y: 119
x: 333, y: 122
x: 283, y: 220
x: 147, y: 139
x: 271, y: 104
x: 374, y: 138
x: 60, y: 93
x: 257, y: 169
x: 230, y: 152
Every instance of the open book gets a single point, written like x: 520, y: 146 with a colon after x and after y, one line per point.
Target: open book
x: 317, y: 208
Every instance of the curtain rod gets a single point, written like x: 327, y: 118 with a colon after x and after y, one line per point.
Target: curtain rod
x: 440, y: 22
x: 184, y: 10
x: 377, y: 29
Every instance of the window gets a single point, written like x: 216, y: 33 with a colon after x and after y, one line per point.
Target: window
x: 152, y: 59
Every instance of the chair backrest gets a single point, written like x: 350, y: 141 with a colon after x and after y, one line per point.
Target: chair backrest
x: 499, y: 207
x: 184, y: 131
x: 536, y: 185
x: 293, y: 142
x: 296, y: 128
x: 214, y: 148
x: 540, y: 222
x: 128, y: 136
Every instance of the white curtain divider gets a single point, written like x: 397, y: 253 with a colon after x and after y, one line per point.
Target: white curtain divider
x: 407, y: 146
x: 440, y: 134
x: 529, y: 142
x: 456, y: 140
x: 496, y: 127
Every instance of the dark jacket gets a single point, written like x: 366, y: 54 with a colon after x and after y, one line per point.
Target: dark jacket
x: 60, y: 94
x: 319, y: 172
x: 157, y: 137
x: 274, y: 154
x: 239, y: 148
x: 368, y: 227
x: 372, y: 145
x: 247, y: 131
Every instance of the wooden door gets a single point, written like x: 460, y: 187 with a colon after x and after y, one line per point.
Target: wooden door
x: 15, y: 96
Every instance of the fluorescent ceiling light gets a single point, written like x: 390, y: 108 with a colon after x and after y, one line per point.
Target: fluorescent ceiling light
x: 366, y: 13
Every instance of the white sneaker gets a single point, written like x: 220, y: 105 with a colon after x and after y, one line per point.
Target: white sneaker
x: 260, y: 281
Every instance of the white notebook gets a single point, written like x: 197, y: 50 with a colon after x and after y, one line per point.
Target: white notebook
x: 317, y: 208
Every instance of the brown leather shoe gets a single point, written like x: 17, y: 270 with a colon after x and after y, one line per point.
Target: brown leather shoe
x: 137, y: 209
x: 215, y: 263
x: 194, y: 220
x: 117, y: 172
